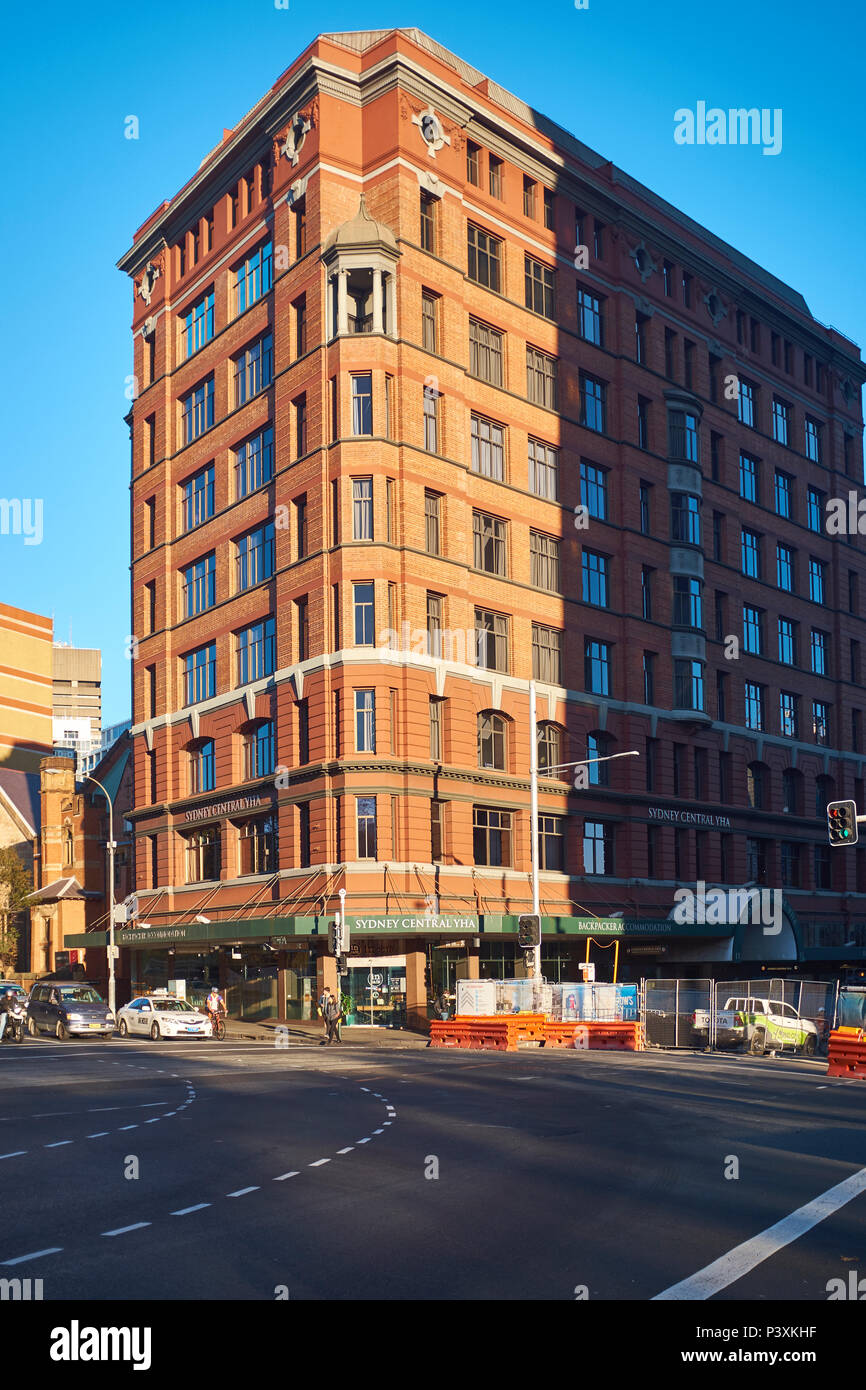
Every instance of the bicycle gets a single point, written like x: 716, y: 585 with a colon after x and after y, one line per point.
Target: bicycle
x: 217, y: 1024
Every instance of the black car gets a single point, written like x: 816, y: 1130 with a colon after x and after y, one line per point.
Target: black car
x: 66, y: 1009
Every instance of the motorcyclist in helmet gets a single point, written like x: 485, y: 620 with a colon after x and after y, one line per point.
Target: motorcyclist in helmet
x: 7, y: 1000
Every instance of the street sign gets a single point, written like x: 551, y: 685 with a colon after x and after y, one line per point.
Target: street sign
x: 114, y: 952
x: 842, y: 823
x: 587, y: 970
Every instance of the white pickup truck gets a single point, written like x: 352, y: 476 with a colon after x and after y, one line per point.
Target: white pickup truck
x: 759, y: 1024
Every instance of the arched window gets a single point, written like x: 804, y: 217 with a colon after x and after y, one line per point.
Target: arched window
x: 491, y: 741
x: 259, y: 752
x: 792, y: 791
x: 598, y: 745
x: 550, y: 753
x: 757, y: 786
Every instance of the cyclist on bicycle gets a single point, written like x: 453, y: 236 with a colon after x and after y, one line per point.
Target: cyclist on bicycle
x: 214, y: 1005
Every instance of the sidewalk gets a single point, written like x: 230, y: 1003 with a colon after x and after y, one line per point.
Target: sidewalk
x: 309, y: 1033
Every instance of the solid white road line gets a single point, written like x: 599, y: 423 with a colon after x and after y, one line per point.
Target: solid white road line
x: 122, y: 1230
x: 242, y: 1192
x: 743, y: 1258
x: 34, y: 1255
x: 317, y: 1163
x: 283, y: 1176
x: 185, y: 1211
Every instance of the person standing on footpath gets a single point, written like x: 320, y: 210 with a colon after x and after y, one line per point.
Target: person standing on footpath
x: 332, y: 1018
x: 325, y: 996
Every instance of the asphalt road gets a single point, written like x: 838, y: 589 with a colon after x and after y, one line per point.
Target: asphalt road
x: 354, y: 1172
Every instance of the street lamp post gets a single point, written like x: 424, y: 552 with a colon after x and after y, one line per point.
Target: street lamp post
x: 533, y: 768
x: 112, y: 993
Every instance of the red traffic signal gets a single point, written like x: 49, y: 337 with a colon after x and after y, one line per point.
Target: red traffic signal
x: 842, y: 822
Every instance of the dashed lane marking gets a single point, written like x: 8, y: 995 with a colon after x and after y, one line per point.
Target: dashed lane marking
x: 185, y: 1211
x: 317, y: 1163
x: 19, y: 1153
x: 349, y: 1150
x: 100, y: 1134
x: 283, y: 1176
x: 124, y: 1230
x: 34, y: 1255
x: 58, y: 1144
x: 363, y: 1141
x: 242, y: 1191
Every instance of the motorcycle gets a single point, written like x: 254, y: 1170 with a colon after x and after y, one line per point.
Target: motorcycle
x: 15, y: 1022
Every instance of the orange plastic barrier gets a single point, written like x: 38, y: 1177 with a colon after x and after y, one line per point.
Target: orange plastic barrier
x: 847, y: 1053
x: 611, y: 1037
x: 499, y: 1032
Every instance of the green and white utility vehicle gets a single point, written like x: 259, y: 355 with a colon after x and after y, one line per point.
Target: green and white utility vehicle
x: 760, y: 1025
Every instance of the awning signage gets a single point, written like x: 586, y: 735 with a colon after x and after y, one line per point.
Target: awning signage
x: 407, y: 924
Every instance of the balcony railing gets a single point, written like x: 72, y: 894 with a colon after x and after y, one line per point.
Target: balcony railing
x: 360, y: 323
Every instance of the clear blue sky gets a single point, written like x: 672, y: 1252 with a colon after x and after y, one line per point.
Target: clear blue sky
x: 75, y: 190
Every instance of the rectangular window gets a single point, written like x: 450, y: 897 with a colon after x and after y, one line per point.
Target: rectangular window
x: 670, y: 348
x: 817, y: 584
x: 746, y: 403
x: 436, y: 742
x: 820, y: 722
x: 687, y: 289
x: 299, y: 406
x: 544, y: 570
x: 433, y: 522
x: 528, y: 197
x: 753, y: 630
x: 598, y: 239
x: 257, y: 846
x: 259, y: 752
x: 434, y: 624
x: 489, y: 541
x: 429, y: 321
x: 484, y: 258
x: 640, y: 323
x: 593, y: 489
x: 300, y: 308
x: 364, y: 614
x: 428, y: 223
x: 818, y: 652
x: 488, y: 448
x: 491, y: 836
x: 667, y: 278
x: 199, y: 669
x: 815, y: 509
x: 749, y: 478
x: 718, y: 536
x: 362, y: 509
x: 750, y: 553
x: 754, y: 698
x: 549, y: 208
x: 201, y: 768
x: 255, y: 556
x: 787, y: 642
x: 781, y: 420
x: 785, y: 568
x: 783, y: 493
x: 589, y: 317
x: 686, y: 602
x: 683, y: 437
x: 649, y: 678
x: 491, y: 640
x: 643, y: 406
x: 473, y: 163
x: 365, y: 721
x: 541, y: 377
x: 254, y: 462
x: 595, y: 573
x: 254, y: 369
x: 299, y: 212
x: 362, y: 404
x: 596, y: 666
x: 789, y: 722
x: 304, y: 731
x: 198, y: 498
x: 592, y: 403
x: 196, y: 325
x: 300, y: 505
x: 686, y: 518
x: 389, y: 406
x: 540, y: 287
x: 203, y: 855
x: 543, y: 470
x: 256, y: 648
x: 597, y: 848
x: 716, y: 444
x: 494, y: 172
x: 813, y: 440
x: 198, y: 585
x: 645, y: 495
x: 551, y: 843
x: 437, y: 831
x: 254, y: 277
x: 365, y: 810
x: 646, y: 592
x: 485, y: 352
x: 688, y: 685
x: 197, y: 411
x: 431, y: 419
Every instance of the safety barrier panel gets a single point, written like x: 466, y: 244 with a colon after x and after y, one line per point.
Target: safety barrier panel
x: 593, y: 1035
x: 847, y: 1053
x: 499, y: 1032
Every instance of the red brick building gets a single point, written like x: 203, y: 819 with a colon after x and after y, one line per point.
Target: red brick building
x: 433, y: 400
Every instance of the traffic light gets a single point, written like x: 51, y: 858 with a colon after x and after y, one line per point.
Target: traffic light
x: 335, y: 938
x: 842, y: 822
x: 529, y: 960
x: 528, y: 931
x: 342, y: 965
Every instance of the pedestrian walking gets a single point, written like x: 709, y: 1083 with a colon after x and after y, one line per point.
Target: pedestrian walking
x: 323, y: 999
x: 332, y: 1018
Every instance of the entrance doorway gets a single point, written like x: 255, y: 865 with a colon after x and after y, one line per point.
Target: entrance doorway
x: 374, y: 992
